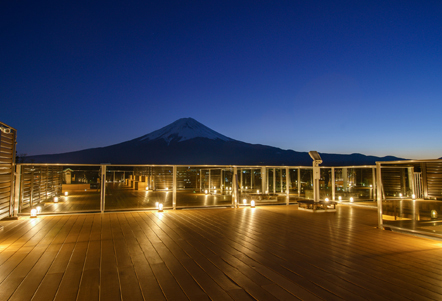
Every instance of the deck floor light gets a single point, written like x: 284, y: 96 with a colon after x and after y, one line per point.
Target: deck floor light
x: 252, y: 204
x: 400, y: 195
x: 66, y: 193
x: 205, y: 191
x: 340, y: 198
x: 56, y: 199
x: 160, y: 207
x: 257, y: 191
x: 33, y: 213
x: 244, y: 201
x: 413, y: 196
x: 156, y: 205
x: 38, y: 210
x: 326, y: 199
x: 351, y: 200
x: 433, y: 214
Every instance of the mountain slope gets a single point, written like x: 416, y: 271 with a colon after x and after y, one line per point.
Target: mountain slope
x: 187, y: 142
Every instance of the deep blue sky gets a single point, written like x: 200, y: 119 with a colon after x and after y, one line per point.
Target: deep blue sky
x: 333, y: 76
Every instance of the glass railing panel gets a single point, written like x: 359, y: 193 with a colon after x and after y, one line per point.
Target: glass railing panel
x: 198, y: 187
x: 417, y: 215
x: 60, y: 189
x: 293, y: 181
x: 354, y: 184
x: 306, y: 183
x: 325, y: 184
x: 138, y: 187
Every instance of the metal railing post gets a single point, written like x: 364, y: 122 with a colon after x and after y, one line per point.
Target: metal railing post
x: 103, y: 189
x: 174, y: 187
x: 379, y: 195
x: 235, y: 188
x: 287, y: 185
x: 17, y: 186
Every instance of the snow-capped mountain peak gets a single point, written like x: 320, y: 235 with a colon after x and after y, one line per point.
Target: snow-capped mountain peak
x: 184, y: 129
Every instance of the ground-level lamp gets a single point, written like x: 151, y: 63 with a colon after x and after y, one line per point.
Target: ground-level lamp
x: 66, y: 193
x: 56, y: 199
x: 351, y: 200
x: 33, y: 213
x: 252, y: 204
x: 160, y: 207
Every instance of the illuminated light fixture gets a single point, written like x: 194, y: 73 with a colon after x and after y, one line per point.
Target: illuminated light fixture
x: 257, y: 191
x: 66, y: 193
x: 147, y: 188
x: 156, y: 204
x: 267, y: 191
x: 340, y: 198
x: 56, y: 199
x: 400, y: 195
x: 38, y: 210
x: 413, y: 196
x: 230, y: 188
x: 205, y: 191
x: 351, y: 200
x: 371, y: 185
x: 160, y: 207
x: 246, y: 187
x: 214, y: 187
x: 252, y: 204
x: 214, y: 191
x: 167, y: 188
x: 33, y: 213
x: 85, y: 190
x: 244, y: 201
x: 326, y: 199
x: 433, y: 214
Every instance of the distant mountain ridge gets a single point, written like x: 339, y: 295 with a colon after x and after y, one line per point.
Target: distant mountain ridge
x: 188, y: 142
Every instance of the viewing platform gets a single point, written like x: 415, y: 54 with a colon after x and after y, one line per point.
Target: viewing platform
x: 265, y: 253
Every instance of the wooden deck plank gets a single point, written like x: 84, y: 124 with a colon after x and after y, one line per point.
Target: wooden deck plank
x: 322, y: 282
x: 33, y: 279
x: 202, y: 279
x: 273, y: 252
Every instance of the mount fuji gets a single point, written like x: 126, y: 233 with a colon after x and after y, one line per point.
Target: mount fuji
x: 188, y: 142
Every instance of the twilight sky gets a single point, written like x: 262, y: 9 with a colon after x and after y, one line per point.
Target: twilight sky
x: 332, y: 76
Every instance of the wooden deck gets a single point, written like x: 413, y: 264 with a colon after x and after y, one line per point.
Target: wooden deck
x: 266, y: 253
